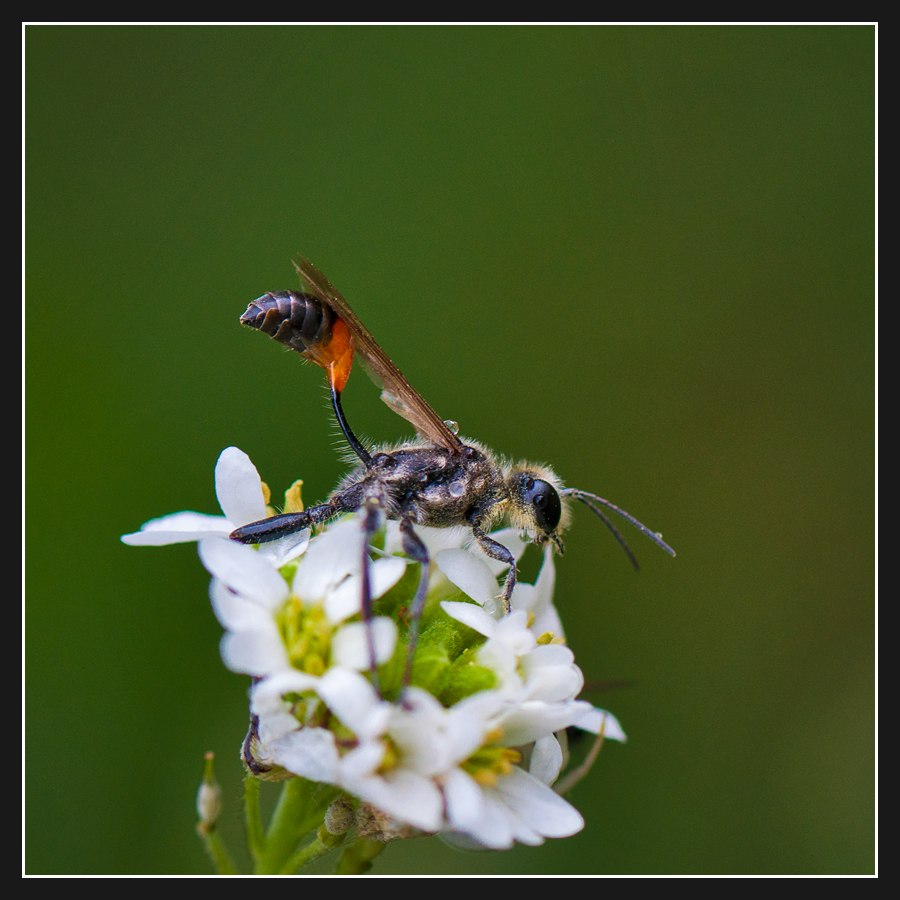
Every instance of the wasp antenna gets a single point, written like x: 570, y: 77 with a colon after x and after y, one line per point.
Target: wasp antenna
x: 615, y: 531
x: 590, y: 499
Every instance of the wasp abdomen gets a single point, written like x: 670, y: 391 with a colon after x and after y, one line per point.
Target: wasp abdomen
x: 300, y: 321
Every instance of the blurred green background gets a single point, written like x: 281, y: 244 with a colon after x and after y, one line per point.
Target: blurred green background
x: 643, y: 254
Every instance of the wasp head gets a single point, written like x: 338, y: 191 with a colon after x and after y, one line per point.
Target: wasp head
x: 536, y: 504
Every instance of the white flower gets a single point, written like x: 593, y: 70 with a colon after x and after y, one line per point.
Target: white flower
x: 519, y: 808
x: 428, y: 766
x: 241, y: 497
x: 475, y: 759
x: 536, y: 673
x: 401, y: 791
x: 476, y: 576
x: 449, y: 770
x: 245, y: 593
x: 441, y: 770
x: 595, y: 719
x: 248, y: 593
x: 240, y: 494
x: 487, y: 796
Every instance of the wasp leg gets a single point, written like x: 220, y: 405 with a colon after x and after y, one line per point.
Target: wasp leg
x: 497, y: 551
x: 276, y: 527
x: 371, y: 524
x: 352, y: 439
x: 415, y: 550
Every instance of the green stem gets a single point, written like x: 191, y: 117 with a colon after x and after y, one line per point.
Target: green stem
x: 357, y: 858
x: 300, y: 809
x: 217, y: 852
x: 255, y: 839
x: 316, y: 848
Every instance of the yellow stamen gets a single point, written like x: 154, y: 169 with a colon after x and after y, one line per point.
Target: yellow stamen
x: 486, y: 778
x: 293, y: 501
x: 313, y: 664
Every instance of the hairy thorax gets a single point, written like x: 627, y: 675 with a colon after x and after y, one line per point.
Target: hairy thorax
x: 430, y: 484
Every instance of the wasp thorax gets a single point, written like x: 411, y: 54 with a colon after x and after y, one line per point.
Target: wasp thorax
x: 456, y: 489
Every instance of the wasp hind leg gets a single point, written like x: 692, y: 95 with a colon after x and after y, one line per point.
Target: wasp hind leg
x: 371, y: 524
x: 416, y: 550
x: 352, y: 439
x: 276, y: 527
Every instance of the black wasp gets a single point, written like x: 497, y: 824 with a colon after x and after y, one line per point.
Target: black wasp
x: 438, y: 479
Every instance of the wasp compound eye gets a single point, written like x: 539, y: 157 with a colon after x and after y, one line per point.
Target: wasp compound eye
x: 544, y: 501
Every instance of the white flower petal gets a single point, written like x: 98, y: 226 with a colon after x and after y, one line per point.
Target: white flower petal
x: 470, y: 574
x: 234, y: 611
x: 385, y: 573
x: 345, y: 600
x: 531, y: 719
x: 470, y: 614
x: 254, y: 651
x: 274, y: 725
x: 286, y: 549
x: 495, y: 827
x: 404, y: 795
x: 177, y: 528
x: 252, y: 644
x: 546, y: 759
x: 551, y: 674
x: 238, y: 488
x: 273, y: 688
x: 461, y: 841
x: 309, y: 752
x: 591, y: 719
x: 434, y: 539
x: 464, y: 801
x: 546, y: 582
x: 329, y: 559
x: 354, y: 701
x: 548, y: 622
x: 539, y: 806
x: 350, y: 645
x: 499, y: 657
x: 363, y: 761
x: 267, y: 702
x: 243, y: 570
x: 417, y: 728
x: 468, y: 721
x: 513, y: 630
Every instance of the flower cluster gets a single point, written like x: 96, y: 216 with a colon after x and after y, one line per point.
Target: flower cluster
x: 469, y: 747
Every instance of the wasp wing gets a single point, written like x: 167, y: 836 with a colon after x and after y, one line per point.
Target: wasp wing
x: 396, y: 391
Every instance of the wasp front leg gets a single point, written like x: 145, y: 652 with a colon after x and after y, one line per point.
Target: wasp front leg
x: 497, y: 551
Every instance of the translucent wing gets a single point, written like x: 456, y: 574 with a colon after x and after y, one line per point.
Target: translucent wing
x: 396, y: 391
